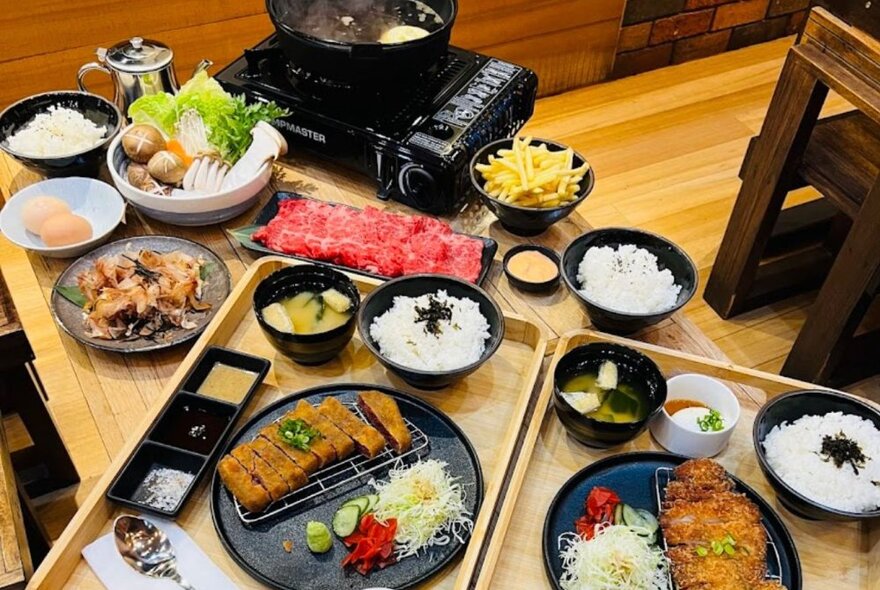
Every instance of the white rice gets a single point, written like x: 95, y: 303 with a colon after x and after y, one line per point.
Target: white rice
x: 58, y: 132
x: 460, y: 342
x: 793, y: 451
x: 626, y: 279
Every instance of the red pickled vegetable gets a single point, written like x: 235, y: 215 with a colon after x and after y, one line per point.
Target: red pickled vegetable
x: 599, y: 509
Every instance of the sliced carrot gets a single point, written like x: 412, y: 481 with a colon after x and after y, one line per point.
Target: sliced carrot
x: 174, y: 146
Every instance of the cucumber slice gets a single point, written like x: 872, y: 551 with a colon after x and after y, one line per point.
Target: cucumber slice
x: 650, y: 520
x: 346, y: 520
x: 362, y: 503
x: 618, y: 514
x: 640, y: 518
x: 374, y: 499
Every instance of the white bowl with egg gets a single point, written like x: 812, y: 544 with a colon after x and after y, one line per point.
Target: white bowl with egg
x: 97, y: 202
x: 681, y: 432
x: 196, y: 210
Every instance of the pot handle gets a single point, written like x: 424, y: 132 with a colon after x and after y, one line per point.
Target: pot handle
x: 202, y: 66
x: 90, y: 67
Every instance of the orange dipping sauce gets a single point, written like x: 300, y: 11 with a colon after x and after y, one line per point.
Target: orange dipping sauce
x: 532, y: 266
x: 677, y: 405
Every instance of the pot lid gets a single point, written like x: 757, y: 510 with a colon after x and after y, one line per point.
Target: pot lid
x: 137, y: 56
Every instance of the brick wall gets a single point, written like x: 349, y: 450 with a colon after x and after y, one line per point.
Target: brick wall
x: 657, y: 33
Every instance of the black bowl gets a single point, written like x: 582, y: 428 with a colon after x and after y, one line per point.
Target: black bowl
x: 306, y: 349
x: 632, y: 367
x: 527, y: 221
x: 380, y: 300
x: 546, y: 286
x: 668, y: 256
x: 95, y: 108
x: 788, y: 408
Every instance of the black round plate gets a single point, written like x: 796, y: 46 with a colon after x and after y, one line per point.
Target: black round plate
x: 217, y: 286
x: 258, y: 548
x: 632, y: 476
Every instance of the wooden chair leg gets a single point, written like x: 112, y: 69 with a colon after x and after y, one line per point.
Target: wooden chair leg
x: 842, y: 301
x: 792, y: 114
x: 28, y: 400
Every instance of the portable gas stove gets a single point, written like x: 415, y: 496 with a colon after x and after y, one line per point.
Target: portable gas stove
x: 416, y: 140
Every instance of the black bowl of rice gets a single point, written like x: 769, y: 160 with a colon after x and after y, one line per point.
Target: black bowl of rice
x: 627, y: 279
x: 431, y: 330
x: 820, y: 450
x: 62, y: 133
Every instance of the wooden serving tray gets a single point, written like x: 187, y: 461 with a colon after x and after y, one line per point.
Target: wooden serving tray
x: 833, y: 555
x: 489, y: 406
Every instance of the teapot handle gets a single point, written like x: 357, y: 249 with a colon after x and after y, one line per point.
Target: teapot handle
x: 89, y: 67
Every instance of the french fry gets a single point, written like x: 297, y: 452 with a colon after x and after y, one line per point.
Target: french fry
x: 529, y: 175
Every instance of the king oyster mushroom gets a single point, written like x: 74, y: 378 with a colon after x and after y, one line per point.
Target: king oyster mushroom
x: 205, y: 175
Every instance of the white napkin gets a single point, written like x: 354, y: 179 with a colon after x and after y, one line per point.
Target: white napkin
x: 192, y: 563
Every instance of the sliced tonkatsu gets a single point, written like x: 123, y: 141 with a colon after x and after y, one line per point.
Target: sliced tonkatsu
x: 382, y: 412
x: 284, y: 465
x: 342, y: 443
x: 243, y: 485
x: 319, y: 447
x: 270, y: 479
x: 306, y: 460
x: 366, y: 438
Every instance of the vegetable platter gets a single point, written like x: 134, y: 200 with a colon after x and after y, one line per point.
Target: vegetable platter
x: 483, y: 406
x: 832, y: 554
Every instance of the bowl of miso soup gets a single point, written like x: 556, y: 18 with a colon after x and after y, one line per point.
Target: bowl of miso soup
x: 307, y: 312
x: 605, y: 393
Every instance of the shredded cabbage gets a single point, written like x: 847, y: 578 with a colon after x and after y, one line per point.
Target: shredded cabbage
x: 227, y: 119
x: 428, y: 504
x: 617, y: 558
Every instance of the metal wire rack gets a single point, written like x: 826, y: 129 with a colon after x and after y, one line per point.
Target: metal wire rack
x: 339, y: 476
x: 662, y: 477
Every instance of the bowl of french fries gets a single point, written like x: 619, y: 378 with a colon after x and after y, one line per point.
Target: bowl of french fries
x: 529, y: 183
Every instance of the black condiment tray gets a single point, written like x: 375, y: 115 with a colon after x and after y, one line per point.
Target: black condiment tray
x: 154, y: 450
x: 270, y: 210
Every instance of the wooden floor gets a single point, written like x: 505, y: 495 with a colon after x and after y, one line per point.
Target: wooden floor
x: 667, y: 147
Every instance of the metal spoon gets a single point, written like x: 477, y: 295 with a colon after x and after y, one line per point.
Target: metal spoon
x: 147, y: 550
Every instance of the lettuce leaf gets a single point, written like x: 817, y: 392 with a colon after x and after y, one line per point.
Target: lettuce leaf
x: 228, y: 119
x: 158, y: 110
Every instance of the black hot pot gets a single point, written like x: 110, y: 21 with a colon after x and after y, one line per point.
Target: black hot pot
x: 316, y: 44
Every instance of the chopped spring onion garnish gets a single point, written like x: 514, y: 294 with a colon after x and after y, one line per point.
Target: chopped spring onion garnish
x: 616, y: 557
x: 428, y: 504
x: 711, y: 422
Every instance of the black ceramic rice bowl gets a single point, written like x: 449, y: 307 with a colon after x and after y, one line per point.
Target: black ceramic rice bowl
x: 95, y: 108
x: 793, y: 406
x: 669, y: 256
x: 381, y: 300
x: 306, y: 349
x: 632, y: 367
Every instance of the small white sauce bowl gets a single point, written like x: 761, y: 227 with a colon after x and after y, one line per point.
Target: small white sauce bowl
x: 679, y: 439
x: 97, y: 201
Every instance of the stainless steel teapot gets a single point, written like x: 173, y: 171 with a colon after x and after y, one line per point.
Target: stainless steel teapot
x: 137, y: 67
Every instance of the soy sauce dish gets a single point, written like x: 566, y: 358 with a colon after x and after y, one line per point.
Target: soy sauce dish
x: 698, y: 418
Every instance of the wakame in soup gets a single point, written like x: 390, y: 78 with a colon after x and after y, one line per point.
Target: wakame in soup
x: 624, y: 403
x: 308, y: 312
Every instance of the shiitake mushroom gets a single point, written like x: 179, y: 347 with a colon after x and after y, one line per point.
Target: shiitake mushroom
x: 167, y: 167
x: 142, y: 142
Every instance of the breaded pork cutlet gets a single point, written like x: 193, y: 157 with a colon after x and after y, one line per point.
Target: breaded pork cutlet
x: 243, y: 485
x: 284, y: 465
x: 319, y: 447
x: 306, y: 461
x: 366, y: 438
x: 342, y: 443
x: 270, y: 479
x: 382, y: 412
x: 715, y: 536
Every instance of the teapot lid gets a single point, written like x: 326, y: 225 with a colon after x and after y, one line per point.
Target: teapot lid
x: 137, y: 56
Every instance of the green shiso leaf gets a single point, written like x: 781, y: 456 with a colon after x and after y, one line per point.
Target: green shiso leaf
x: 72, y: 294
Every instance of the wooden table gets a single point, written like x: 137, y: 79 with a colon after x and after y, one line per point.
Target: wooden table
x: 99, y: 397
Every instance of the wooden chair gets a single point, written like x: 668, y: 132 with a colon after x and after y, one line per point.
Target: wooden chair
x: 768, y: 252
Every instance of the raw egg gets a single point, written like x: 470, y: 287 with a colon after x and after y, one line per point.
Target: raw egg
x: 65, y: 229
x: 37, y: 210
